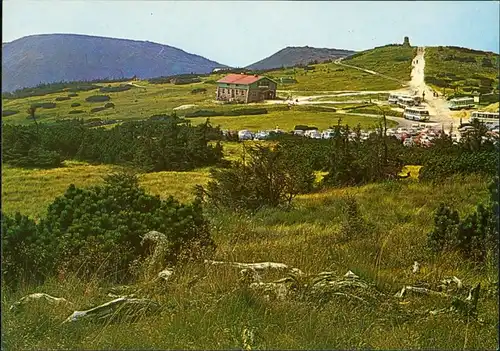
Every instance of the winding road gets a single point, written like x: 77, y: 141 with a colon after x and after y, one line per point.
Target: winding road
x: 440, y: 115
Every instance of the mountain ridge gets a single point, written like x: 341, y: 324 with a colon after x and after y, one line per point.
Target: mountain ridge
x: 49, y: 58
x: 294, y: 55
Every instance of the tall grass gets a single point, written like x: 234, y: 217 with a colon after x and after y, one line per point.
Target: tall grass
x: 205, y: 307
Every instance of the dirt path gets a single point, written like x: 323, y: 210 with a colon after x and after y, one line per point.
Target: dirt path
x: 439, y: 112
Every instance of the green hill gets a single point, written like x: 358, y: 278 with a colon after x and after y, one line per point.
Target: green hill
x: 463, y: 70
x: 392, y: 60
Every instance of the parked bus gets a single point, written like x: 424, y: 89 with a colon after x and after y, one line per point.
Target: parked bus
x: 416, y: 113
x: 462, y: 103
x: 405, y: 101
x: 393, y: 99
x: 490, y: 119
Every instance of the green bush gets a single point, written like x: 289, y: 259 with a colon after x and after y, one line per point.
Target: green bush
x: 97, y: 109
x: 235, y: 112
x: 24, y: 252
x: 109, y: 105
x: 75, y: 112
x: 198, y: 90
x: 116, y: 89
x: 75, y: 104
x: 304, y: 127
x: 203, y: 113
x: 246, y: 111
x: 6, y: 113
x: 271, y: 177
x: 475, y: 237
x: 356, y: 162
x: 99, y: 230
x: 43, y: 105
x: 72, y: 95
x: 170, y: 144
x: 98, y: 98
x: 62, y: 98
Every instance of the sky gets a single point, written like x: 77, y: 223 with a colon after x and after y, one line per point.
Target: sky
x: 238, y: 33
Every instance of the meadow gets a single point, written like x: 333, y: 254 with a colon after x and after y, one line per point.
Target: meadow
x: 391, y: 60
x: 145, y: 99
x: 208, y: 307
x: 215, y: 312
x: 287, y: 120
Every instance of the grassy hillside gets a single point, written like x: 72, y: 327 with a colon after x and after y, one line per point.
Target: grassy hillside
x: 287, y: 120
x: 30, y: 191
x: 153, y: 99
x: 464, y: 69
x: 214, y: 312
x: 331, y: 77
x: 391, y: 60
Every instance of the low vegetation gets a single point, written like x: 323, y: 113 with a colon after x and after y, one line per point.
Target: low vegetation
x: 172, y: 144
x: 391, y: 60
x: 138, y: 201
x: 462, y: 71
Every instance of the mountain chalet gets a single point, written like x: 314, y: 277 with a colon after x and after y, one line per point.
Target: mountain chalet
x: 246, y: 88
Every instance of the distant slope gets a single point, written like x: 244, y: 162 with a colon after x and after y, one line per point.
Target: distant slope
x: 462, y: 69
x: 392, y: 60
x: 291, y: 56
x: 48, y: 58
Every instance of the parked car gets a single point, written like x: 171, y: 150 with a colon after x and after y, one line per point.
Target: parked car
x: 245, y: 135
x: 408, y: 142
x: 327, y: 134
x: 261, y: 135
x: 315, y: 134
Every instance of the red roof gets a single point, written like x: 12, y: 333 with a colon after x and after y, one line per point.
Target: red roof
x: 239, y: 79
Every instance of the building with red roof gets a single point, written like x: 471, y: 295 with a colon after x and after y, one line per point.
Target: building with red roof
x: 246, y: 88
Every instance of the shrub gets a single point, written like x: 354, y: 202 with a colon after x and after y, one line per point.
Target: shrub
x: 75, y: 112
x: 246, y: 111
x: 97, y: 109
x: 62, y: 98
x: 210, y: 81
x: 109, y: 105
x: 99, y: 229
x: 116, y: 89
x: 98, y: 98
x: 353, y: 224
x: 203, y: 113
x: 198, y: 90
x: 75, y: 104
x: 72, y: 95
x: 270, y: 178
x: 6, y: 113
x: 23, y: 251
x: 304, y: 127
x: 475, y: 237
x: 355, y: 162
x: 44, y: 105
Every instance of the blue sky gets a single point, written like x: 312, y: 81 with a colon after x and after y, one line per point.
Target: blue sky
x: 239, y: 33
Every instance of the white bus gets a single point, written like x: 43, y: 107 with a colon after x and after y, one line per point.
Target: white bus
x: 462, y: 103
x: 405, y: 101
x: 416, y: 113
x: 490, y: 119
x: 393, y: 99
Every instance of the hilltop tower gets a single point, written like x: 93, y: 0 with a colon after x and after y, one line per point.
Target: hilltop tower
x: 406, y: 41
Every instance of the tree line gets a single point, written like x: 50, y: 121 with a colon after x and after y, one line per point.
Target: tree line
x: 170, y: 144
